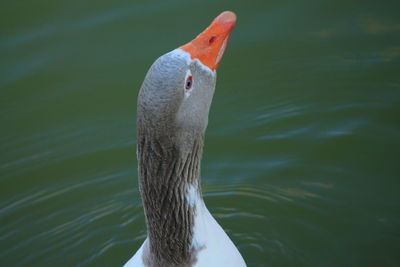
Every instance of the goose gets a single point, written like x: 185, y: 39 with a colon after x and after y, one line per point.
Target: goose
x: 172, y: 116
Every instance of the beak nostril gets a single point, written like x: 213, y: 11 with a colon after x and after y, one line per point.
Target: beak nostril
x: 211, y: 40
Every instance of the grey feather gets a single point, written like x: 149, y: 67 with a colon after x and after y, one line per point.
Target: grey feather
x: 170, y: 132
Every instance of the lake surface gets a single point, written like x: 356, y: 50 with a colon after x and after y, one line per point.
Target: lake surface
x: 301, y: 163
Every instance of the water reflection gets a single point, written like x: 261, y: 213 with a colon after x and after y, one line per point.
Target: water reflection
x: 263, y: 192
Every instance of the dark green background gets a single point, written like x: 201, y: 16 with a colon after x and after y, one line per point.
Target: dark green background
x: 301, y: 163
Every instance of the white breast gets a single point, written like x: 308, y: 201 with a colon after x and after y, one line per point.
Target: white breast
x: 214, y: 247
x: 218, y: 249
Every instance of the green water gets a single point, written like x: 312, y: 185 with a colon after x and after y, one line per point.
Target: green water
x: 301, y: 164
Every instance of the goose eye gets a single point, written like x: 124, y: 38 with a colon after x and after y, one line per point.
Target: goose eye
x: 189, y: 82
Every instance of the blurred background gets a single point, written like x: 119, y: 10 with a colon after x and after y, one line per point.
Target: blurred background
x: 301, y: 162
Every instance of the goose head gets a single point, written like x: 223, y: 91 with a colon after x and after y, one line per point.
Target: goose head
x: 177, y: 92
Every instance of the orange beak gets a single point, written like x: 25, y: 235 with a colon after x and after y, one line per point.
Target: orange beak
x: 209, y: 46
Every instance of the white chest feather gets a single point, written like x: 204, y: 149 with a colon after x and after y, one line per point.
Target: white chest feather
x: 216, y: 248
x: 212, y: 245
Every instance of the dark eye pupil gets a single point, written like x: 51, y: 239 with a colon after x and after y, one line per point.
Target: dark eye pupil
x: 188, y: 83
